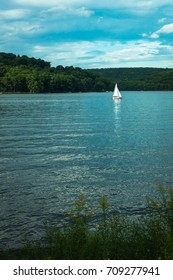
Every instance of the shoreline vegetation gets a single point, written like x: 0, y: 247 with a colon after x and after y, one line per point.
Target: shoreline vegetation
x: 21, y: 74
x: 113, y: 236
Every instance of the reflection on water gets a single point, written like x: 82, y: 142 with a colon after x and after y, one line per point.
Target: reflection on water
x: 117, y: 111
x: 117, y: 119
x: 55, y: 146
x: 117, y: 108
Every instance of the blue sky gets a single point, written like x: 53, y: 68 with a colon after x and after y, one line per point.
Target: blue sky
x: 90, y: 33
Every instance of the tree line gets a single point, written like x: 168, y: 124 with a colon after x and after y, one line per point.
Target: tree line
x: 147, y: 78
x: 24, y: 74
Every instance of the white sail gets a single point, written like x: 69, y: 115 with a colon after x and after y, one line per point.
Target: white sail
x: 116, y: 94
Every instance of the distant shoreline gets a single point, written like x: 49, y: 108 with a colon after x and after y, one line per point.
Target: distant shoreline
x: 30, y: 93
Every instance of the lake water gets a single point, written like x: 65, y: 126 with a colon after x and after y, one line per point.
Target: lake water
x: 54, y: 146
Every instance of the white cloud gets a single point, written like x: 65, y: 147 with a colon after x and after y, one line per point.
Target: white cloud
x: 49, y: 3
x: 131, y: 6
x: 161, y: 20
x: 100, y: 53
x: 143, y: 4
x: 16, y: 30
x: 154, y: 36
x: 83, y: 12
x: 13, y: 14
x: 62, y: 10
x: 166, y: 29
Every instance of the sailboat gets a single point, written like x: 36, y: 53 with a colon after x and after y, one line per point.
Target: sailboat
x: 116, y: 94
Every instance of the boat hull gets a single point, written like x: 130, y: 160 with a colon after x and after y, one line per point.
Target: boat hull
x: 116, y: 98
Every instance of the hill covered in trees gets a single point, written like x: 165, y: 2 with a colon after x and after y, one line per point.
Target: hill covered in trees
x: 138, y: 78
x: 24, y: 74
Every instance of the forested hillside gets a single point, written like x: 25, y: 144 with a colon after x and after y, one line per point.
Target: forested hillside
x: 24, y: 74
x: 138, y: 78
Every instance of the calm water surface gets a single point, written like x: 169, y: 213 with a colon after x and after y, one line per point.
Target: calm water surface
x: 54, y: 146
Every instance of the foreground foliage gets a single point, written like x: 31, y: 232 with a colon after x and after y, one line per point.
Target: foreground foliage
x: 112, y: 236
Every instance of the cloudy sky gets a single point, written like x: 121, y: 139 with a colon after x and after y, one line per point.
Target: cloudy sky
x: 90, y: 33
